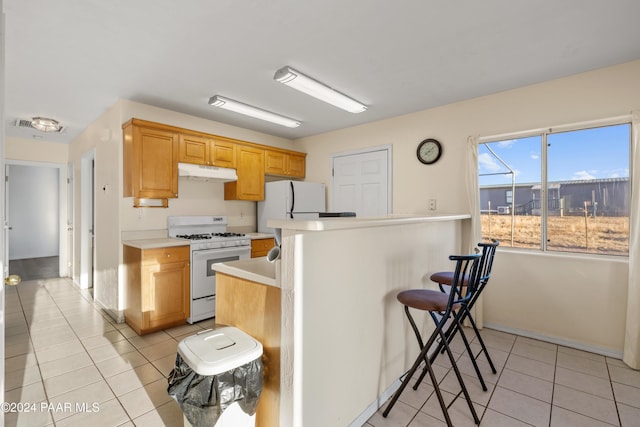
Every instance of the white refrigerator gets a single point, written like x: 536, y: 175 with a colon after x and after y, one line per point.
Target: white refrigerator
x: 290, y: 199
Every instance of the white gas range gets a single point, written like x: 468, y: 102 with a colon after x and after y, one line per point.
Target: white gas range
x: 210, y: 243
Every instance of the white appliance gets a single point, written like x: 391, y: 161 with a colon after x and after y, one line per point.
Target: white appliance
x: 210, y: 243
x: 290, y: 199
x: 503, y: 210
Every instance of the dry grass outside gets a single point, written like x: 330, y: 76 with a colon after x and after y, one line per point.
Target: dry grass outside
x: 597, y: 235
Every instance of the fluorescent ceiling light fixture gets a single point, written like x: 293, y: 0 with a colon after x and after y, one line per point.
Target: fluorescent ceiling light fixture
x: 248, y: 110
x: 45, y: 125
x: 299, y: 81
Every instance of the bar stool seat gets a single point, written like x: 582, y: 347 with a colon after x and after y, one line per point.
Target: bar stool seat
x: 444, y: 277
x: 425, y: 299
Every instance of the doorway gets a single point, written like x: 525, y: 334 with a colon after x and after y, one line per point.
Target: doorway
x: 361, y: 181
x: 35, y: 217
x: 87, y: 220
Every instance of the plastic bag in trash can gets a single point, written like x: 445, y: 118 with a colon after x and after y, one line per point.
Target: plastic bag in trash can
x: 204, y: 398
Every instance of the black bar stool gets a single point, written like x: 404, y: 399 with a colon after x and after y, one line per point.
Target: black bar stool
x: 441, y: 307
x: 445, y: 278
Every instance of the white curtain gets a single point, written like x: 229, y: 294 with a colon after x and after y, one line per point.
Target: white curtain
x: 473, y: 199
x: 631, y: 355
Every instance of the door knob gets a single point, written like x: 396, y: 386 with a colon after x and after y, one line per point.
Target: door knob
x: 12, y: 280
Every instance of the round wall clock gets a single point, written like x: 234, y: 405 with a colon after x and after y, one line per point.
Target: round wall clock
x: 429, y: 151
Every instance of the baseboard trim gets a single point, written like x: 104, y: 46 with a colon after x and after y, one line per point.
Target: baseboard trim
x: 116, y: 315
x: 375, y: 405
x: 556, y: 340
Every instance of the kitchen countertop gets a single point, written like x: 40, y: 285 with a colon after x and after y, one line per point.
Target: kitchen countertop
x: 345, y: 223
x: 255, y: 269
x: 164, y: 242
x: 155, y: 243
x: 254, y: 236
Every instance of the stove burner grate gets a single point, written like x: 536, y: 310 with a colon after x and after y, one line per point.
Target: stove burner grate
x: 205, y: 236
x: 194, y: 236
x: 227, y: 234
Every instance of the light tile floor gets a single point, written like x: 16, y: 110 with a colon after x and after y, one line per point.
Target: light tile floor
x: 537, y: 384
x: 60, y: 350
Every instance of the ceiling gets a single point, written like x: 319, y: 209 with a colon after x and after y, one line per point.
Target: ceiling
x: 72, y: 60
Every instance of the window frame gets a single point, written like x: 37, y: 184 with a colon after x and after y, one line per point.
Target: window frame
x: 543, y: 133
x: 508, y: 197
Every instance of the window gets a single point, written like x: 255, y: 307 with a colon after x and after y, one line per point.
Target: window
x: 565, y: 191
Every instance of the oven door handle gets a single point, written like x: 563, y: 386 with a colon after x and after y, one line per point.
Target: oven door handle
x: 221, y: 252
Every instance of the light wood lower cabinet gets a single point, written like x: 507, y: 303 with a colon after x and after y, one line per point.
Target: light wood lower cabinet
x: 260, y: 247
x: 255, y: 309
x: 157, y: 287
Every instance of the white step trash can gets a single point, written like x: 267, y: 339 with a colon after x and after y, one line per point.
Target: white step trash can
x: 217, y: 378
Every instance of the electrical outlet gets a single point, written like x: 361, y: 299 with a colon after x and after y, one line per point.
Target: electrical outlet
x: 432, y: 204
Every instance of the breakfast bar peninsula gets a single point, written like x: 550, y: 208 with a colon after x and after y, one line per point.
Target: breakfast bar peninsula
x: 344, y: 341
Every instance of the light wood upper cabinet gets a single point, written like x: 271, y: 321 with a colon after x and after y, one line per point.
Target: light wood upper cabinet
x: 194, y: 149
x: 157, y: 287
x: 250, y: 170
x: 274, y: 162
x: 282, y: 163
x: 150, y: 161
x: 296, y: 165
x: 152, y: 152
x: 223, y: 153
x: 207, y: 151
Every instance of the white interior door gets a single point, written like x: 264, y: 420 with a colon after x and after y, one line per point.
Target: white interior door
x: 33, y: 195
x: 361, y: 182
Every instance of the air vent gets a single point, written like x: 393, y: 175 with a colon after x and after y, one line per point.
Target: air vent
x: 22, y: 123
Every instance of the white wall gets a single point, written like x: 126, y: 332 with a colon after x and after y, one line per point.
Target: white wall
x: 520, y: 278
x: 36, y: 150
x: 33, y: 211
x: 578, y: 301
x: 346, y: 341
x: 103, y: 137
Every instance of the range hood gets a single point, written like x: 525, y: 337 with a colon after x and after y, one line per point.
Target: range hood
x: 206, y: 173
